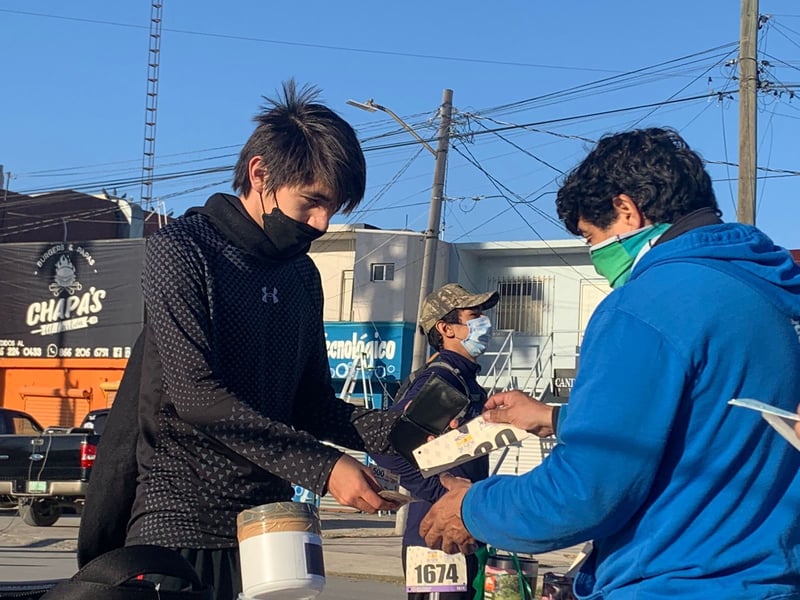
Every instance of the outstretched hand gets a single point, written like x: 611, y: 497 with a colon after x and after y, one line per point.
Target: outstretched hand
x: 353, y: 484
x: 442, y: 528
x: 521, y: 410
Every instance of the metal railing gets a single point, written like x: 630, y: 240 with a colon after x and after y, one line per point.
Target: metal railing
x: 501, y: 365
x: 542, y: 367
x: 540, y: 374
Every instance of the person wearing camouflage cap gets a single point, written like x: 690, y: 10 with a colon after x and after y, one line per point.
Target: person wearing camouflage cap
x: 445, y: 305
x: 452, y: 319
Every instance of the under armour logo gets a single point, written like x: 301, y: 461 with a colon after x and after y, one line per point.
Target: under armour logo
x: 267, y: 295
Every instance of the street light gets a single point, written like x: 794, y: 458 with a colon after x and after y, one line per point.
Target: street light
x: 435, y: 215
x: 370, y: 106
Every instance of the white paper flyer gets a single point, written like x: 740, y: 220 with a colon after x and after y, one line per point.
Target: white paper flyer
x: 781, y: 420
x: 473, y: 439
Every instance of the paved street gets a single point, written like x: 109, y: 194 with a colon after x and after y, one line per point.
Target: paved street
x: 37, y: 553
x: 47, y: 553
x: 362, y: 554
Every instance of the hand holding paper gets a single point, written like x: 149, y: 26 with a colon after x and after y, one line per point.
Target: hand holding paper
x: 471, y: 440
x: 521, y: 410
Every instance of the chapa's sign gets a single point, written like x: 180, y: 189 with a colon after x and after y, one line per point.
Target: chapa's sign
x: 71, y: 299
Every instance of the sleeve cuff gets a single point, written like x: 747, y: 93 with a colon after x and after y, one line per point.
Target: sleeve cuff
x: 554, y: 419
x: 374, y: 426
x: 319, y: 484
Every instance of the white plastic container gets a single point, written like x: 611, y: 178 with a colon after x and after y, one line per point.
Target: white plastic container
x: 281, y: 552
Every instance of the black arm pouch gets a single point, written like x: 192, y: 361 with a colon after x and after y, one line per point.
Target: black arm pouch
x: 428, y: 414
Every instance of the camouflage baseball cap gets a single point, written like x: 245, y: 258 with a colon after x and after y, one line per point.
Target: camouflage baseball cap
x: 449, y: 297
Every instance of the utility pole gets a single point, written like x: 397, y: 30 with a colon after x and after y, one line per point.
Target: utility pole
x: 748, y: 88
x: 151, y: 105
x: 434, y: 219
x: 431, y: 234
x: 8, y: 183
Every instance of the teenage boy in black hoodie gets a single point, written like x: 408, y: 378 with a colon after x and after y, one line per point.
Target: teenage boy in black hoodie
x: 236, y: 385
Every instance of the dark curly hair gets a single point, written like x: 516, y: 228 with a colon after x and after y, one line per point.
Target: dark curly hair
x: 302, y: 142
x: 435, y: 338
x: 655, y: 167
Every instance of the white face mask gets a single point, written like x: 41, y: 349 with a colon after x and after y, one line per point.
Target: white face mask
x: 480, y: 331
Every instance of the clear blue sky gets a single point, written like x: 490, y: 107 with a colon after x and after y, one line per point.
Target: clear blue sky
x: 73, y: 100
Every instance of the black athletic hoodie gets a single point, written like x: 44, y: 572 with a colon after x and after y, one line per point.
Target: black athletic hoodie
x: 235, y: 389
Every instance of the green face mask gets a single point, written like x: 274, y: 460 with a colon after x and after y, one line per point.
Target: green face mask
x: 613, y: 258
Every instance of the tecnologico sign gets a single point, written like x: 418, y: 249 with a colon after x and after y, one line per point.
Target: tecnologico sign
x: 384, y: 348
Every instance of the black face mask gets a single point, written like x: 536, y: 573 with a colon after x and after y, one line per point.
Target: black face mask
x: 290, y: 237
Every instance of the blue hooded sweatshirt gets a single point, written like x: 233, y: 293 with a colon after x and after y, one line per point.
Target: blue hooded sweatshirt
x: 684, y: 495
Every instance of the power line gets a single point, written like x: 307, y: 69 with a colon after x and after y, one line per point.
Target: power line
x: 599, y: 83
x: 226, y: 36
x: 526, y: 152
x: 652, y: 111
x: 502, y: 189
x: 126, y: 182
x: 398, y: 131
x: 514, y: 206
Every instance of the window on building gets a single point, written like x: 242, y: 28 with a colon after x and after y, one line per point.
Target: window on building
x: 522, y: 305
x: 382, y: 272
x: 346, y: 297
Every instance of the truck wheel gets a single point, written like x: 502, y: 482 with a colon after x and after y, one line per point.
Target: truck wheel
x: 39, y: 513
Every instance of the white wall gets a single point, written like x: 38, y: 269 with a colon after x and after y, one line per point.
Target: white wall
x: 572, y: 291
x: 333, y: 254
x: 566, y: 266
x: 394, y: 300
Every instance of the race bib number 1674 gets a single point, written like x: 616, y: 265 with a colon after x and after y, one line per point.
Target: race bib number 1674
x: 434, y: 571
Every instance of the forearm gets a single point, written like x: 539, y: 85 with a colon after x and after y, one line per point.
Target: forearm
x: 317, y: 410
x: 613, y: 442
x: 292, y: 455
x: 559, y: 414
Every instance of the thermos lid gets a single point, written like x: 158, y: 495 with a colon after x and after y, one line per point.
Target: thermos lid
x: 529, y: 566
x: 282, y: 516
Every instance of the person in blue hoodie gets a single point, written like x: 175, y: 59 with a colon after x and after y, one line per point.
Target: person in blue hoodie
x: 683, y: 495
x: 452, y: 319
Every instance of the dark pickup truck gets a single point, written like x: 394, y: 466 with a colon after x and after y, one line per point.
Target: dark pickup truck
x: 43, y: 471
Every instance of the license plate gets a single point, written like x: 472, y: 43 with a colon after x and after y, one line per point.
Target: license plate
x: 37, y: 487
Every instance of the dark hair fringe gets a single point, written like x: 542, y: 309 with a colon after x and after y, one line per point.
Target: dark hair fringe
x: 303, y: 142
x: 654, y: 167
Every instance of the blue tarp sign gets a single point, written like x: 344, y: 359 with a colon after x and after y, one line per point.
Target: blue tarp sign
x: 301, y: 494
x: 386, y: 348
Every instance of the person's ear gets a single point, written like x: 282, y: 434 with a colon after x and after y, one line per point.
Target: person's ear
x: 445, y: 330
x: 628, y: 212
x: 257, y: 174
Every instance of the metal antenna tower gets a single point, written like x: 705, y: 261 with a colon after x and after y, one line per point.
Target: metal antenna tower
x: 151, y: 108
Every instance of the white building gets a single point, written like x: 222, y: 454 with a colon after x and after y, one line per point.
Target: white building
x: 371, y: 281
